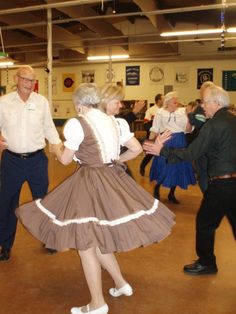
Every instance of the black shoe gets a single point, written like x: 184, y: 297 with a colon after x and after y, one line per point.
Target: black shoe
x: 142, y: 172
x: 4, y: 255
x: 51, y: 251
x: 198, y: 269
x: 173, y: 199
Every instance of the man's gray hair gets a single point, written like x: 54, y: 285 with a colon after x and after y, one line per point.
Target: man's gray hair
x: 218, y: 95
x: 87, y: 94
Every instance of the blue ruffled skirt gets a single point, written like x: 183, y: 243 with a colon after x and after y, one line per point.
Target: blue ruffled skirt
x: 169, y: 175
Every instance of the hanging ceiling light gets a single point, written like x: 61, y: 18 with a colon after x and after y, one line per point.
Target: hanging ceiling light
x: 193, y: 32
x: 112, y: 57
x: 4, y: 57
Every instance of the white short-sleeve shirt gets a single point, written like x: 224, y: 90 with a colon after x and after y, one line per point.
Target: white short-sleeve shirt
x: 110, y: 132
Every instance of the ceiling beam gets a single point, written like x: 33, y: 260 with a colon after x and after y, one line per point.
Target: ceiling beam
x: 54, y: 5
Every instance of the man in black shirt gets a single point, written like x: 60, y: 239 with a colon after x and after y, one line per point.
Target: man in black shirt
x: 216, y: 140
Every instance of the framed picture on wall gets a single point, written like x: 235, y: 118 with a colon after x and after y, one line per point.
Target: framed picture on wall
x: 88, y: 76
x: 168, y: 88
x: 181, y: 76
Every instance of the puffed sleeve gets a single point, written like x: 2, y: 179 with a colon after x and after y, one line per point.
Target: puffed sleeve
x: 73, y: 133
x: 125, y: 133
x: 156, y: 124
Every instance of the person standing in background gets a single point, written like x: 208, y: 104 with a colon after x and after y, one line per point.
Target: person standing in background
x: 149, y: 116
x: 25, y: 122
x: 131, y: 116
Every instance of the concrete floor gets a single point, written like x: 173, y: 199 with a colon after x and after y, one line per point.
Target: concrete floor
x: 33, y: 282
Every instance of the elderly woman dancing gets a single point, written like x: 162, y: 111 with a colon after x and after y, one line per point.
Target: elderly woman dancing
x: 99, y: 209
x: 171, y: 117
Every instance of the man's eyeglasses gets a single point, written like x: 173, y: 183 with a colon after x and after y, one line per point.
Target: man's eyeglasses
x: 26, y: 80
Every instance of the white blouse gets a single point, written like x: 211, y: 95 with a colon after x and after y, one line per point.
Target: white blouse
x: 174, y: 121
x: 111, y: 133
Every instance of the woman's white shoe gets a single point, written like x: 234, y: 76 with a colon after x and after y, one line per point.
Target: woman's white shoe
x: 125, y: 290
x: 101, y: 310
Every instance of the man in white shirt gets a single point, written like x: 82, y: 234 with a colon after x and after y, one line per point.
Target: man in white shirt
x: 25, y: 122
x: 149, y: 116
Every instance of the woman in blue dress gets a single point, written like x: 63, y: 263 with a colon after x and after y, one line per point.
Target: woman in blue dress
x: 173, y: 118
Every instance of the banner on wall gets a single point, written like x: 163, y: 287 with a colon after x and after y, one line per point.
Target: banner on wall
x: 204, y: 75
x: 181, y: 76
x: 132, y: 75
x: 68, y: 82
x: 229, y: 80
x: 156, y: 74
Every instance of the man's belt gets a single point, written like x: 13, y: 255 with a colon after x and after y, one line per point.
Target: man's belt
x: 24, y: 155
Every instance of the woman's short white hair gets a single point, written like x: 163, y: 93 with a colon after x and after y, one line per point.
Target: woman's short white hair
x: 168, y: 97
x: 87, y: 94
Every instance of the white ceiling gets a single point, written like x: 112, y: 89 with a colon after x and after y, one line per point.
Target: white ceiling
x: 86, y: 27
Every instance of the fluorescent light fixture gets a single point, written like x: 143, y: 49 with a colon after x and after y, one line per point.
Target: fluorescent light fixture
x: 113, y: 57
x: 5, y: 63
x: 193, y: 32
x: 231, y: 30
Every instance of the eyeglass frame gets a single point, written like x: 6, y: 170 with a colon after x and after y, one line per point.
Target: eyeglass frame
x: 26, y: 80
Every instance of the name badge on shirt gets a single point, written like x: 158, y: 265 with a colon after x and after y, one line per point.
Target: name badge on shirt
x: 31, y: 106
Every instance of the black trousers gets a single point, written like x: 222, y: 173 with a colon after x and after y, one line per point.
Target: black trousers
x: 14, y: 172
x: 146, y: 159
x: 219, y: 200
